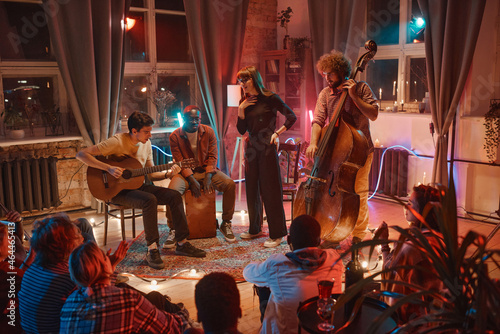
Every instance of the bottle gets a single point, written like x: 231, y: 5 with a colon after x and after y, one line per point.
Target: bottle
x: 353, y: 274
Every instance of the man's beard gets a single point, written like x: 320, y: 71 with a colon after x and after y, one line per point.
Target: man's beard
x: 334, y: 84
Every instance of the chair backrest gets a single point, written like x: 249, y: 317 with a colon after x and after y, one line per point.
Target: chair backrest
x: 292, y: 152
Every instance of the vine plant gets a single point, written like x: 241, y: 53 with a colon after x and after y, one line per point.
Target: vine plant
x: 492, y: 130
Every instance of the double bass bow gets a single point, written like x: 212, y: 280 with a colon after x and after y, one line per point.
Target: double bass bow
x: 329, y: 192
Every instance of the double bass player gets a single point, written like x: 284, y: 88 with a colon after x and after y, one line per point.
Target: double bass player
x: 360, y: 107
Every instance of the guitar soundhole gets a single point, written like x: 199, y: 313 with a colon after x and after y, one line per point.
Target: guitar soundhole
x: 127, y: 174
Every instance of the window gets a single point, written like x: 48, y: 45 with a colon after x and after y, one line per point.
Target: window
x: 398, y: 72
x: 25, y: 35
x: 135, y: 38
x: 180, y: 86
x: 134, y: 95
x: 172, y: 42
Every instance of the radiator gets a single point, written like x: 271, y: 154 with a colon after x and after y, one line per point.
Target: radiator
x: 29, y: 184
x: 394, y: 175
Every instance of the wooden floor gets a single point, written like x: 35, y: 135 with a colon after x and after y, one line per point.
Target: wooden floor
x: 182, y: 290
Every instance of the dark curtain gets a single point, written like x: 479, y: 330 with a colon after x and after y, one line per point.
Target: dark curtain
x: 88, y: 39
x: 216, y: 31
x: 451, y: 32
x: 339, y: 25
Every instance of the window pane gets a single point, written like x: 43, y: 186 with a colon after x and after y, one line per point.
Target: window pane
x: 134, y: 96
x: 418, y: 79
x: 416, y: 26
x: 172, y: 41
x: 180, y: 86
x: 30, y: 97
x: 135, y: 39
x: 137, y: 3
x: 383, y: 21
x: 170, y: 4
x: 381, y: 75
x: 25, y: 34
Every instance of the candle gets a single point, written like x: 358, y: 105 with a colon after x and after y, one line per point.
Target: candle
x: 377, y: 143
x: 380, y: 94
x: 394, y: 88
x: 423, y: 179
x: 402, y: 102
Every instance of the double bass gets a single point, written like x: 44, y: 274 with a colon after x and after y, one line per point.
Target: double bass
x: 329, y: 192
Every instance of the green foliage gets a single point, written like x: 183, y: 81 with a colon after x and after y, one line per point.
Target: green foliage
x: 284, y: 18
x: 492, y: 131
x: 13, y: 118
x: 469, y: 301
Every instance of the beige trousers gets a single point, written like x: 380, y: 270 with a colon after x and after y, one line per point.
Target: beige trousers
x: 362, y: 187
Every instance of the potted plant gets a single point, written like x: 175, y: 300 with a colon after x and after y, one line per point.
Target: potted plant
x: 14, y: 121
x: 492, y: 130
x: 284, y: 18
x: 469, y: 301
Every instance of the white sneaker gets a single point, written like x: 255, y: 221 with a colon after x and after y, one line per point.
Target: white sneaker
x: 246, y: 235
x: 170, y: 243
x: 270, y: 243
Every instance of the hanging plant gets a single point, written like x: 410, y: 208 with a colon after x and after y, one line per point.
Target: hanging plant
x: 492, y: 130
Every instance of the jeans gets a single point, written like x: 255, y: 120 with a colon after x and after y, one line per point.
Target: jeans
x: 147, y: 198
x: 220, y: 181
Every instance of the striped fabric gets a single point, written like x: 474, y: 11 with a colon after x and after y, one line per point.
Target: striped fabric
x: 43, y: 293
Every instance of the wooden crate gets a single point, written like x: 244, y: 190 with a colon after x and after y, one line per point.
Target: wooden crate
x: 200, y: 214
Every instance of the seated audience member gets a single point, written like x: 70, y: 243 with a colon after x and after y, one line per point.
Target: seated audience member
x: 10, y: 276
x: 197, y: 141
x: 14, y: 221
x: 217, y: 300
x: 421, y: 197
x: 100, y: 307
x: 292, y: 277
x: 46, y: 283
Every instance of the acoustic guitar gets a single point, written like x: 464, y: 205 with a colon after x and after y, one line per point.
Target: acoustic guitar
x: 104, y: 186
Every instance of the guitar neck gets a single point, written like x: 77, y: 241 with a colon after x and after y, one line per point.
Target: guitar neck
x: 153, y: 169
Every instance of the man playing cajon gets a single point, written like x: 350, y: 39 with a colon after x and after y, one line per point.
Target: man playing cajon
x: 198, y: 141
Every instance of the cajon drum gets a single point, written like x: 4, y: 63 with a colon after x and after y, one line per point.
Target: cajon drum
x: 200, y: 214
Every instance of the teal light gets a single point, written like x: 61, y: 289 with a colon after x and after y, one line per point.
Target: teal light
x: 179, y: 118
x: 420, y: 22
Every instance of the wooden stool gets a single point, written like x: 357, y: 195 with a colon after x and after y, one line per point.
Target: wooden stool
x: 200, y: 214
x: 118, y: 211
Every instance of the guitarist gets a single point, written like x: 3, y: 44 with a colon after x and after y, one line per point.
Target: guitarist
x: 360, y: 108
x: 136, y: 144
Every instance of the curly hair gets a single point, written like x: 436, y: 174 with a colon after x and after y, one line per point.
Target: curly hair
x: 217, y: 300
x: 335, y: 62
x: 137, y: 120
x: 54, y: 238
x: 88, y: 265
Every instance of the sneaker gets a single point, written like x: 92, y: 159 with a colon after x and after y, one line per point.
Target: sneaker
x: 154, y: 259
x: 189, y: 250
x: 170, y: 243
x: 270, y: 243
x: 247, y: 235
x: 227, y: 231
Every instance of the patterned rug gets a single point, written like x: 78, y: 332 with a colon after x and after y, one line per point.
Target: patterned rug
x: 221, y: 255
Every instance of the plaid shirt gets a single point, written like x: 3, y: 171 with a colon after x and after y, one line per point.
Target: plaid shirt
x: 328, y: 100
x: 108, y: 309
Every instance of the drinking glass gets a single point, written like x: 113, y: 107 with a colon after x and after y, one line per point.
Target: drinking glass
x: 325, y: 312
x: 325, y: 286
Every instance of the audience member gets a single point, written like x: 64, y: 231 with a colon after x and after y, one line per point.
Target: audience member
x: 292, y: 277
x: 46, y: 283
x: 10, y: 278
x: 14, y: 221
x: 100, y: 307
x: 422, y: 201
x: 217, y: 300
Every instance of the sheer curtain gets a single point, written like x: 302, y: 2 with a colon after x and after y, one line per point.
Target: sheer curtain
x: 88, y: 38
x: 339, y: 25
x: 216, y: 31
x: 450, y: 40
